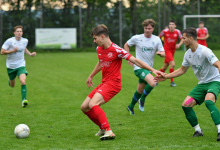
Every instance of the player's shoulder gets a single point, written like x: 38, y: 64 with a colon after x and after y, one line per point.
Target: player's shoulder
x: 24, y: 39
x: 205, y: 28
x: 177, y: 30
x: 155, y: 37
x: 137, y: 36
x: 116, y: 47
x: 11, y: 39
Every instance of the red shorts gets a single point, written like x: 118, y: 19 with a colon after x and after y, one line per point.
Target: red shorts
x: 108, y: 90
x: 169, y: 56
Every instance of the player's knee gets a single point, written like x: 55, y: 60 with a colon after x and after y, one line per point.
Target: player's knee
x: 189, y: 102
x: 23, y: 82
x: 152, y: 84
x: 84, y: 108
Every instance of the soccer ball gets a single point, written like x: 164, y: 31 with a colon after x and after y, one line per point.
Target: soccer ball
x: 22, y: 131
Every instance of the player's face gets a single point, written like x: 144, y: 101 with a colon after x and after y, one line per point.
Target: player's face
x: 148, y: 30
x: 172, y: 26
x: 18, y: 33
x: 201, y: 25
x: 98, y: 40
x: 186, y: 40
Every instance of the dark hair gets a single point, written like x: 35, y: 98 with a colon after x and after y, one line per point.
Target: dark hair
x: 172, y: 21
x: 15, y: 28
x: 100, y: 29
x: 201, y: 22
x: 190, y: 32
x: 148, y: 22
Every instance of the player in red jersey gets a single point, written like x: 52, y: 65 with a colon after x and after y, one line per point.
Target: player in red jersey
x: 170, y: 38
x: 202, y: 34
x: 110, y: 59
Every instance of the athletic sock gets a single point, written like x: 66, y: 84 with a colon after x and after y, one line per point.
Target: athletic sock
x: 147, y: 90
x: 162, y: 70
x: 214, y: 111
x: 23, y: 91
x: 135, y: 98
x: 171, y: 79
x: 218, y: 127
x: 93, y: 117
x: 197, y: 128
x: 190, y: 116
x: 100, y: 114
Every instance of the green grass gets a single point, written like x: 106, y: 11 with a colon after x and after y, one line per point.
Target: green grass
x: 56, y: 89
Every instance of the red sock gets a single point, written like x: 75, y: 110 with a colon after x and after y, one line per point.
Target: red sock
x: 171, y: 70
x: 100, y: 114
x: 162, y: 70
x: 93, y: 117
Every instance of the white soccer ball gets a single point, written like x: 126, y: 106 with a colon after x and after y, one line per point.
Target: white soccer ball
x: 22, y: 131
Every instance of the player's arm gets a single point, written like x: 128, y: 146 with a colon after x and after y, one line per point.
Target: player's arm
x: 217, y: 65
x: 126, y: 47
x: 182, y: 70
x: 161, y: 54
x: 5, y: 52
x: 143, y: 65
x: 29, y: 53
x: 178, y: 45
x: 160, y: 49
x: 94, y: 72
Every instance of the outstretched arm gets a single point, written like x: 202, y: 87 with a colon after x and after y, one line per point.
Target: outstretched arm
x: 182, y: 70
x: 29, y: 53
x: 94, y: 72
x: 4, y: 52
x: 126, y: 47
x: 143, y: 65
x: 178, y: 45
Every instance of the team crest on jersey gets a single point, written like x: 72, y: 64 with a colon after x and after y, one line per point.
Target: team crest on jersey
x: 110, y: 54
x: 189, y: 56
x: 153, y: 43
x: 175, y: 35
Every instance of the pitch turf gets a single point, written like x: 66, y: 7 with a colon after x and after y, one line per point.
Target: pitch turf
x: 56, y: 88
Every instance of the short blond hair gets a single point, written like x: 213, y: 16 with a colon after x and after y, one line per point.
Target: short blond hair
x: 15, y: 28
x: 100, y: 29
x: 148, y: 22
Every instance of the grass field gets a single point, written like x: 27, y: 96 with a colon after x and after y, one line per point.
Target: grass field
x: 56, y: 89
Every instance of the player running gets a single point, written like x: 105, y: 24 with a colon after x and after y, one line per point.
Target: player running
x: 146, y: 45
x: 170, y: 38
x: 110, y: 59
x: 206, y: 68
x: 202, y: 34
x: 15, y: 48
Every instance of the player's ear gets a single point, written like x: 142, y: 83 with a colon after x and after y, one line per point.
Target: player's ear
x: 102, y: 36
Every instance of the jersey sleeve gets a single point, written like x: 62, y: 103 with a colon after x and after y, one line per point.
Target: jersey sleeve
x: 160, y: 46
x: 185, y: 62
x: 206, y: 30
x: 132, y: 41
x: 6, y: 44
x: 161, y: 34
x: 210, y: 56
x: 123, y: 54
x: 179, y: 34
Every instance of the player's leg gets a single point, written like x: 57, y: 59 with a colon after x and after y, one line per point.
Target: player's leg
x: 196, y: 96
x: 136, y: 97
x: 210, y: 99
x: 172, y: 66
x: 87, y: 111
x: 151, y: 84
x: 12, y: 73
x: 166, y: 61
x: 22, y: 78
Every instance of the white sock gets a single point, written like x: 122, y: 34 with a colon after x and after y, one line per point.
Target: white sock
x: 218, y: 127
x: 197, y: 128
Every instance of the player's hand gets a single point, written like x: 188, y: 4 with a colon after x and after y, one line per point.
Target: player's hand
x: 89, y: 82
x: 157, y: 73
x: 177, y: 46
x: 130, y: 63
x: 159, y: 53
x: 15, y: 49
x: 159, y: 78
x: 33, y: 54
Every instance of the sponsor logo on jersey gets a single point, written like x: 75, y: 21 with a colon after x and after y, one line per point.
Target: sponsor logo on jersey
x: 105, y: 63
x: 110, y: 54
x: 199, y: 67
x: 169, y: 40
x: 147, y: 49
x: 189, y: 56
x: 20, y: 50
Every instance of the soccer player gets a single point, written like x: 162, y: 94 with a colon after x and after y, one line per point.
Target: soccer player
x: 206, y: 68
x: 170, y: 38
x: 14, y: 48
x: 110, y: 59
x: 146, y: 45
x: 202, y: 34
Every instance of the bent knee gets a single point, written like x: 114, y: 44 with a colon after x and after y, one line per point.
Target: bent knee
x: 152, y: 84
x: 23, y: 82
x: 84, y: 108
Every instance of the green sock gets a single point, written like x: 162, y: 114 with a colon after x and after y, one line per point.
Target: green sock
x: 23, y: 91
x: 214, y: 111
x: 135, y: 98
x: 190, y: 116
x: 147, y: 90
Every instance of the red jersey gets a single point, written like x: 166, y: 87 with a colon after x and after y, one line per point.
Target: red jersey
x: 110, y: 60
x: 202, y: 33
x: 170, y: 38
